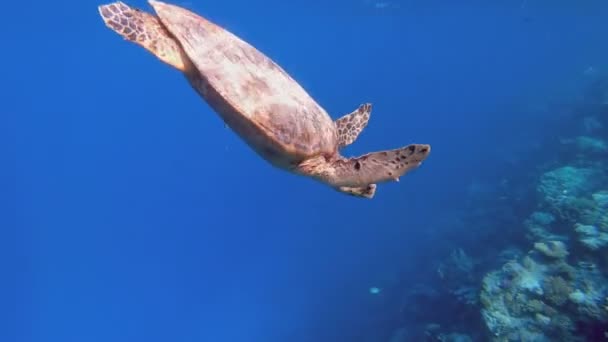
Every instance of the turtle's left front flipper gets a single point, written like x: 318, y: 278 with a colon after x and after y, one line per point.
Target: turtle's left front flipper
x: 377, y: 167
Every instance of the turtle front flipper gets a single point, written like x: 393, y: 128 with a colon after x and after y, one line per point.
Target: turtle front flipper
x: 375, y: 167
x: 350, y: 125
x: 143, y: 29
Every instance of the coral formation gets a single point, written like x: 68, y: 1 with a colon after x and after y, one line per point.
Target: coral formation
x: 591, y: 144
x: 563, y: 190
x: 590, y: 236
x: 552, y: 249
x: 557, y: 290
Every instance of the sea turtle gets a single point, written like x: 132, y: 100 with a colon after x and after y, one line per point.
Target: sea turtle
x: 258, y: 100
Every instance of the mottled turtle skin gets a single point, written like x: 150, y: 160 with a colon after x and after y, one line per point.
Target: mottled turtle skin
x: 257, y: 99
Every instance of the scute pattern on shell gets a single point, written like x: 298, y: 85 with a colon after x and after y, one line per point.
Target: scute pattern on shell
x: 260, y: 90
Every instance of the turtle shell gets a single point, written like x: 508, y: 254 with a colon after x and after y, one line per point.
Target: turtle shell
x: 252, y: 94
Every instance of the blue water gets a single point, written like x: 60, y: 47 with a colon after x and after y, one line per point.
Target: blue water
x: 140, y: 217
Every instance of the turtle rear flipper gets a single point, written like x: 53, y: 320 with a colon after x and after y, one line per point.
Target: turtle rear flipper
x: 143, y: 29
x: 377, y: 167
x: 350, y: 125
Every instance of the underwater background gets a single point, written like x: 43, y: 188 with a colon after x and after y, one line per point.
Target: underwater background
x: 133, y: 214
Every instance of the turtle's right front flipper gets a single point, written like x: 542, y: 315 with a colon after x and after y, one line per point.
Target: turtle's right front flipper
x: 350, y: 125
x: 143, y: 29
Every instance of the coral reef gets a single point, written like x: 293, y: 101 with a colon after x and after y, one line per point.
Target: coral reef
x: 558, y: 291
x: 541, y: 272
x: 529, y: 301
x: 557, y: 287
